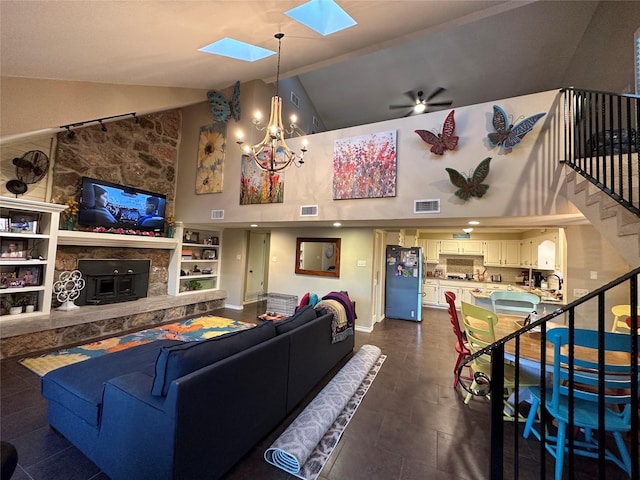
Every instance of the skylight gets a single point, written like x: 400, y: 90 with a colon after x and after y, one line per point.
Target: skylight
x: 228, y: 47
x: 323, y: 16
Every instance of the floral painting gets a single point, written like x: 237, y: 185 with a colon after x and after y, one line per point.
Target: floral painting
x: 365, y: 166
x: 258, y: 186
x: 210, y: 168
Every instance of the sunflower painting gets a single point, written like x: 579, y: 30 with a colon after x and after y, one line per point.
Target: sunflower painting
x: 258, y: 186
x: 210, y: 169
x: 365, y: 166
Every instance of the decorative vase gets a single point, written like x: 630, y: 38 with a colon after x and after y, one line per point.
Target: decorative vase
x: 70, y: 225
x: 171, y: 231
x: 15, y: 310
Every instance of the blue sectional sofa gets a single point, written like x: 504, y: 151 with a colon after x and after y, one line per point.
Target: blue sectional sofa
x: 190, y: 410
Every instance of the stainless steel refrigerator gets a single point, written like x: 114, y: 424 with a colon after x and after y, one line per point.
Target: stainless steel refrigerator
x: 403, y: 286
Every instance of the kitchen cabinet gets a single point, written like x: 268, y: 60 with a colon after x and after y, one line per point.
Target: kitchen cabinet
x: 542, y: 252
x: 461, y: 291
x: 430, y: 292
x: 432, y: 251
x: 461, y: 247
x: 502, y: 253
x: 27, y: 275
x: 196, y: 262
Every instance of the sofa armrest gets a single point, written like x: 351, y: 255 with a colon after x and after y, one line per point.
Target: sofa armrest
x: 136, y: 438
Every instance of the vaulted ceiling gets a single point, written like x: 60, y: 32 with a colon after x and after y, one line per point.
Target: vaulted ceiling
x: 478, y: 50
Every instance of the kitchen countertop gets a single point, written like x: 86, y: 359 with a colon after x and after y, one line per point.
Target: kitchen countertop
x: 545, y: 297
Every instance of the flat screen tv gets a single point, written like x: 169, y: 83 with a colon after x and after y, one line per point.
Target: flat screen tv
x: 109, y: 205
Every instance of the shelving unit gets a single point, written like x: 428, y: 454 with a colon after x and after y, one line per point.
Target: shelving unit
x: 196, y: 263
x: 38, y: 246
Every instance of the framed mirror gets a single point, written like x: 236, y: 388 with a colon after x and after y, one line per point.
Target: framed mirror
x: 318, y: 256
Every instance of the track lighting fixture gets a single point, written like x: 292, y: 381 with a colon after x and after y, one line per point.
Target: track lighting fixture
x: 103, y: 127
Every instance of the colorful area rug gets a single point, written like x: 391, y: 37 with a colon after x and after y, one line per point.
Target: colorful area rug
x: 187, y: 330
x: 305, y: 446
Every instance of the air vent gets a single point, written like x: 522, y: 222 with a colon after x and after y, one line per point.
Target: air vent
x: 426, y: 206
x: 308, y: 210
x: 295, y: 100
x: 217, y: 214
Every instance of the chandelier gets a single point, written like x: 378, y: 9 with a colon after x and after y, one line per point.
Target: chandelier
x: 272, y: 154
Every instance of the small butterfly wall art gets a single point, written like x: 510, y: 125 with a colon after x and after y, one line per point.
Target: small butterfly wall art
x: 441, y: 141
x: 507, y: 134
x: 221, y: 108
x: 471, y: 186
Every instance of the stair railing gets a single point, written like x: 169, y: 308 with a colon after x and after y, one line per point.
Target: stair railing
x: 507, y: 445
x: 602, y: 142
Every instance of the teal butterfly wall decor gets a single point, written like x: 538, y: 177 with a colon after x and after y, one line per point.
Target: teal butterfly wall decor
x: 471, y: 186
x: 509, y: 135
x: 219, y: 106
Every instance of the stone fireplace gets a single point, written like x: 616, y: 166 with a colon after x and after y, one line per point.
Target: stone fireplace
x: 113, y: 281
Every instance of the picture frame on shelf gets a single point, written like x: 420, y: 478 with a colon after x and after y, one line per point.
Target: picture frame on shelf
x: 23, y: 223
x: 30, y: 276
x: 189, y: 236
x: 7, y: 279
x: 5, y: 224
x: 209, y: 255
x: 13, y: 249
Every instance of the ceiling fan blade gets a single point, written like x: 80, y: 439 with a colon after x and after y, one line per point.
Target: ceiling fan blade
x: 437, y: 91
x: 392, y: 107
x: 411, y: 112
x: 439, y: 104
x: 411, y: 95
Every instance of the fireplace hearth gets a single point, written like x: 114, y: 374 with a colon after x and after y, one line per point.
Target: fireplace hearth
x: 113, y: 280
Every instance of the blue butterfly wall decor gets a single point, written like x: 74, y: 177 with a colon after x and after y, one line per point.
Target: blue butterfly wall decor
x: 509, y: 135
x: 471, y: 186
x: 221, y: 109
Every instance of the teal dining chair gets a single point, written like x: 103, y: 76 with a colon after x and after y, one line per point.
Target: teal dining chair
x: 617, y: 398
x: 510, y: 301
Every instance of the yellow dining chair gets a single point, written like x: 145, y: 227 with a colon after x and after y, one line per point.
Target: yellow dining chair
x: 620, y: 314
x: 478, y: 324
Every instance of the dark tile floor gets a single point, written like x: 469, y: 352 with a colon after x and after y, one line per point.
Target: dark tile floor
x: 411, y: 424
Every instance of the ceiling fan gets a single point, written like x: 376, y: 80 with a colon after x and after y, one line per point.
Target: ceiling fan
x: 420, y: 104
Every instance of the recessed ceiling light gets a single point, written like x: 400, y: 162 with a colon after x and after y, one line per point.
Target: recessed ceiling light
x: 254, y: 225
x: 337, y: 224
x: 228, y: 47
x: 474, y: 222
x: 467, y: 230
x: 323, y: 16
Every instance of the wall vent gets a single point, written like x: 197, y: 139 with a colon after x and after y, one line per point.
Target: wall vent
x: 308, y: 210
x: 426, y: 206
x: 217, y: 214
x: 295, y: 100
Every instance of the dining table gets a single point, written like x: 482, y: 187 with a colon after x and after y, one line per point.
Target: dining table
x: 530, y: 341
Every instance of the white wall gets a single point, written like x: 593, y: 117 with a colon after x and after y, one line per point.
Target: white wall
x: 356, y: 245
x: 525, y: 181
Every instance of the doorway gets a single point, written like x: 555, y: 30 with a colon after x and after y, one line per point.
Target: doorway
x: 256, y: 278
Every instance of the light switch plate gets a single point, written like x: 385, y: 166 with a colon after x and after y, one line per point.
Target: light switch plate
x: 593, y: 275
x: 579, y: 292
x: 362, y: 263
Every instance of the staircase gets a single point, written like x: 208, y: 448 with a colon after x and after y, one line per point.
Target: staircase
x: 602, y: 161
x: 614, y: 222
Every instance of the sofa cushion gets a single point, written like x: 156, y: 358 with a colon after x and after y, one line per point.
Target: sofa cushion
x: 175, y: 362
x: 302, y: 316
x: 78, y: 387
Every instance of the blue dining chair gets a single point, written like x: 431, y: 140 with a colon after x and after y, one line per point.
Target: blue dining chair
x: 617, y: 398
x: 510, y: 301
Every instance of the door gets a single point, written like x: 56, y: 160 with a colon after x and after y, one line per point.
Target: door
x: 256, y: 274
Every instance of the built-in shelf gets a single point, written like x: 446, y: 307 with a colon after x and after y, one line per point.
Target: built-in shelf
x: 94, y: 239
